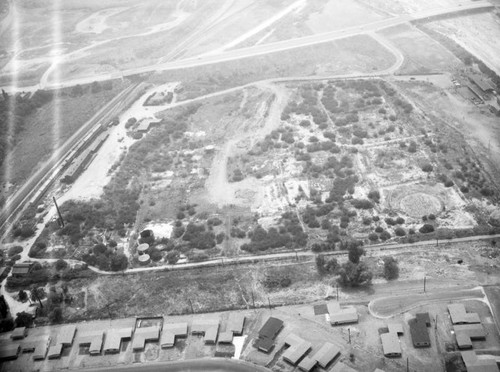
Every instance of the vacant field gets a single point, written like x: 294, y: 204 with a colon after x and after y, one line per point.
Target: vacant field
x: 44, y: 129
x: 422, y: 54
x: 474, y: 33
x: 360, y: 54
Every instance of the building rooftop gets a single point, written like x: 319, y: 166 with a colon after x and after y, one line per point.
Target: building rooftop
x: 326, y: 354
x: 419, y: 333
x: 297, y: 348
x: 55, y: 351
x: 171, y: 332
x: 18, y: 333
x: 395, y: 328
x: 347, y: 315
x: 390, y: 344
x: 271, y: 328
x: 235, y: 323
x: 66, y: 335
x: 226, y: 337
x: 114, y: 338
x: 94, y: 339
x: 459, y: 315
x: 142, y: 335
x: 211, y: 334
x: 38, y: 345
x: 9, y: 351
x: 307, y: 364
x: 481, y: 83
x: 475, y: 363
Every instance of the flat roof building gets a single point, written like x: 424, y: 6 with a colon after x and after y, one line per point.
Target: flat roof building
x: 296, y: 350
x: 419, y: 333
x: 114, y: 338
x: 307, y: 364
x: 66, y: 335
x: 171, y: 332
x: 341, y: 316
x: 94, y: 340
x: 55, y: 351
x: 235, y: 323
x: 211, y: 334
x: 483, y: 84
x: 459, y: 315
x: 143, y: 335
x: 326, y: 354
x: 391, y: 345
x: 21, y: 269
x: 9, y: 351
x: 465, y: 333
x: 268, y: 333
x: 225, y: 337
x: 19, y: 333
x: 37, y: 345
x: 481, y: 363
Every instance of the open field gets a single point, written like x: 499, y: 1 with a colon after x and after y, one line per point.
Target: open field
x: 474, y: 33
x: 422, y: 54
x: 51, y: 125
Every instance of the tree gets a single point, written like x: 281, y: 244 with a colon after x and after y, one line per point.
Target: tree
x: 427, y: 168
x: 426, y: 228
x: 23, y: 296
x: 355, y: 252
x: 37, y: 294
x: 354, y: 275
x: 95, y: 87
x: 23, y: 319
x: 119, y: 262
x: 77, y: 90
x: 326, y: 265
x: 56, y: 315
x: 173, y: 257
x: 391, y: 268
x: 155, y: 255
x: 61, y: 264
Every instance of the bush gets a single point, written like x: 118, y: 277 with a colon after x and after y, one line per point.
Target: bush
x: 431, y: 217
x: 374, y: 195
x: 379, y: 229
x: 426, y: 228
x: 391, y: 268
x: 385, y: 235
x: 400, y: 220
x: 173, y: 257
x: 361, y: 204
x: 155, y: 255
x: 399, y: 231
x: 61, y: 265
x: 13, y: 251
x: 427, y: 168
x: 277, y: 279
x: 326, y: 265
x: 373, y: 237
x: 354, y: 275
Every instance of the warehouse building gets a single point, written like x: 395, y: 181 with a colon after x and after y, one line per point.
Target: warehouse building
x: 143, y: 335
x: 268, y: 333
x: 459, y: 315
x: 114, y: 338
x: 171, y: 332
x: 297, y: 348
x: 466, y: 333
x: 94, y: 340
x: 418, y: 330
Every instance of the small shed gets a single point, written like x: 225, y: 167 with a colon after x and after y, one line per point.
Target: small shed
x: 19, y: 333
x: 390, y: 344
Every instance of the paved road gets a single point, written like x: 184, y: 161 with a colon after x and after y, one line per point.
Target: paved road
x: 197, y: 365
x: 387, y: 307
x: 270, y: 47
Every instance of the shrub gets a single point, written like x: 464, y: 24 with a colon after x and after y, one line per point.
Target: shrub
x: 354, y: 275
x: 367, y: 221
x: 427, y: 168
x: 277, y: 279
x: 431, y: 217
x: 399, y: 231
x: 326, y: 265
x: 61, y: 265
x: 391, y: 268
x: 385, y: 235
x: 400, y: 220
x: 373, y: 237
x: 13, y: 251
x: 361, y: 204
x: 173, y: 257
x: 379, y: 229
x: 374, y: 195
x: 426, y: 228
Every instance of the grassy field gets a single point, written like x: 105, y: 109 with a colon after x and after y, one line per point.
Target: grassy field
x: 352, y: 55
x: 422, y: 54
x: 42, y: 133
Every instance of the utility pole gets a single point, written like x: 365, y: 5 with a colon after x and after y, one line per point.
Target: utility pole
x: 349, y: 330
x: 424, y: 282
x: 407, y: 364
x: 191, y: 304
x: 61, y: 221
x: 337, y: 285
x: 269, y: 302
x: 253, y: 300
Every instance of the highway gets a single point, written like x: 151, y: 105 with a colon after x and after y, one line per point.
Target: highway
x: 47, y: 172
x: 276, y: 46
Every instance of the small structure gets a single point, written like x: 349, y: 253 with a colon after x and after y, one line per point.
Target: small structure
x: 143, y: 335
x: 483, y: 84
x: 459, y: 315
x: 465, y: 333
x: 390, y: 344
x: 419, y: 333
x: 268, y: 333
x: 9, y: 351
x: 209, y: 328
x: 211, y: 334
x: 55, y: 351
x: 21, y: 269
x: 94, y: 340
x: 235, y: 324
x: 326, y: 354
x: 19, y: 333
x: 38, y: 346
x: 171, y: 332
x: 143, y: 248
x: 144, y: 259
x: 66, y: 335
x: 342, y: 316
x: 225, y: 337
x: 297, y: 348
x: 478, y: 363
x: 114, y: 338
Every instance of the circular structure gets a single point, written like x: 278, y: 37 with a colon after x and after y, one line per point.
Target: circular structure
x: 420, y: 204
x: 144, y: 259
x: 143, y: 248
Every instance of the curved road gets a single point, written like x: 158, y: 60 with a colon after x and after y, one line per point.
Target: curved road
x: 266, y: 48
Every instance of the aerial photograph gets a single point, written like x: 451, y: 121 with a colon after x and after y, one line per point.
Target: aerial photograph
x: 250, y: 185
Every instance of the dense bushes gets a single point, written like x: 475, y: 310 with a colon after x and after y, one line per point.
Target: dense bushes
x: 426, y: 228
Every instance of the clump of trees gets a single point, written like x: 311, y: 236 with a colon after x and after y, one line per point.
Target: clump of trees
x: 354, y: 272
x: 391, y: 268
x: 326, y: 265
